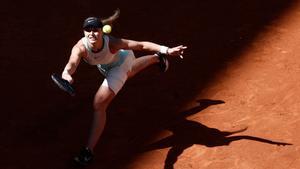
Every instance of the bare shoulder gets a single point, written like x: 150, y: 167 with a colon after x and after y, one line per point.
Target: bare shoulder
x: 79, y: 48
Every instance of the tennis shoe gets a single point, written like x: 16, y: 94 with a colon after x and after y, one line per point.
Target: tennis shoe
x: 84, y: 157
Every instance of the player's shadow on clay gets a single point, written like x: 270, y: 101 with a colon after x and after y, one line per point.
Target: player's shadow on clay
x: 187, y: 133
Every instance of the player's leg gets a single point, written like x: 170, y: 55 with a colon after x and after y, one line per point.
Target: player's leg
x: 112, y: 84
x: 102, y: 99
x: 143, y: 62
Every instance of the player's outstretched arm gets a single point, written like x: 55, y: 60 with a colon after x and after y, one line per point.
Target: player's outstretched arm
x: 72, y: 64
x: 148, y: 46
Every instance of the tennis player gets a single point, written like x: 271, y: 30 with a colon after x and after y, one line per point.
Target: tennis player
x: 115, y: 59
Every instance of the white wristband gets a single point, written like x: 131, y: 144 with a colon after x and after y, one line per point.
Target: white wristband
x: 163, y: 49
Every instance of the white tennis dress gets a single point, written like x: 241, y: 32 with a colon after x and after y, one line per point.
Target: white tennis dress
x: 113, y: 66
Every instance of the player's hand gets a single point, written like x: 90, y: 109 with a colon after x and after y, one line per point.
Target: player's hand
x: 177, y: 51
x: 65, y: 75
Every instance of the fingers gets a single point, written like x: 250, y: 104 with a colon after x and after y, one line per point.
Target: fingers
x: 181, y: 54
x: 181, y: 51
x: 178, y: 50
x: 68, y: 78
x: 181, y: 47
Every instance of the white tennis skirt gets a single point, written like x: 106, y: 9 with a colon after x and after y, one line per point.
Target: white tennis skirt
x: 116, y: 73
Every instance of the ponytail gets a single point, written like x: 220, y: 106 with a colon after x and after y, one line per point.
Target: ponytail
x: 112, y: 18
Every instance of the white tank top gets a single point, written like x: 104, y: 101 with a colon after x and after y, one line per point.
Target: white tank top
x: 102, y: 57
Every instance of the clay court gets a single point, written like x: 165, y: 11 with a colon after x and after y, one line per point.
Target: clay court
x: 231, y: 103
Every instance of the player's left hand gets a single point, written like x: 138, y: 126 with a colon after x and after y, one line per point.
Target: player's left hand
x: 177, y: 51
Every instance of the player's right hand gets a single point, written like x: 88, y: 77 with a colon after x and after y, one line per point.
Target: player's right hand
x: 65, y: 75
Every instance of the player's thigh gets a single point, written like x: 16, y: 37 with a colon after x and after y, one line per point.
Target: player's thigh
x: 103, y: 97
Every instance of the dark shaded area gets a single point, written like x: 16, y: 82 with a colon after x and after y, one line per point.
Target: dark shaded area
x: 186, y: 133
x: 41, y: 127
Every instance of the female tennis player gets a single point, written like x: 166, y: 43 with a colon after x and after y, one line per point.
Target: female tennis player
x: 115, y: 59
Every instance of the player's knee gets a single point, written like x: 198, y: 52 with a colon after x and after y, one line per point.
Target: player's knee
x: 100, y: 103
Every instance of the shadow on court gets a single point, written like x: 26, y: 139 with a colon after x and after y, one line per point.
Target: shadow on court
x: 186, y: 133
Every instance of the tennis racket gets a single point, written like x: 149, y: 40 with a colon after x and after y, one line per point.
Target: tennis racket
x: 63, y: 84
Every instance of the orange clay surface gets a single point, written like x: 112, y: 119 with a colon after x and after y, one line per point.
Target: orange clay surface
x: 233, y: 102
